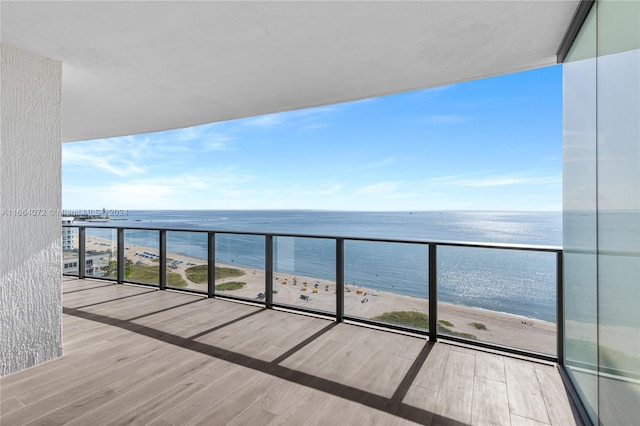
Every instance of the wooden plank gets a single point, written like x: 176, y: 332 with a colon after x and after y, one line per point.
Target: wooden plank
x: 555, y: 396
x: 526, y: 404
x: 229, y: 378
x: 69, y: 288
x: 251, y: 336
x: 104, y: 295
x: 139, y: 393
x: 432, y: 371
x: 284, y: 397
x: 525, y: 421
x: 455, y: 396
x: 316, y: 356
x: 159, y: 422
x: 225, y: 410
x: 338, y: 411
x: 189, y: 320
x: 9, y: 405
x: 138, y: 370
x: 525, y: 395
x: 293, y: 408
x: 144, y: 304
x: 70, y: 411
x: 423, y: 399
x: 490, y: 367
x: 490, y: 402
x: 522, y: 374
x: 379, y: 373
x: 254, y: 416
x: 461, y: 363
x: 111, y: 374
x: 112, y: 359
x: 157, y: 405
x: 24, y: 381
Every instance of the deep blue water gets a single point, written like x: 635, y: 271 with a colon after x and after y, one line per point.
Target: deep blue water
x: 516, y: 282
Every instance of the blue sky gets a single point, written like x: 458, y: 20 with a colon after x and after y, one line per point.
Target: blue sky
x: 492, y: 144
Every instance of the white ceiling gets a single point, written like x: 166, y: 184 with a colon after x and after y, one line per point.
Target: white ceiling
x: 141, y: 66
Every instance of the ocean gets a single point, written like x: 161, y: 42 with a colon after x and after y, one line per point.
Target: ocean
x: 516, y: 282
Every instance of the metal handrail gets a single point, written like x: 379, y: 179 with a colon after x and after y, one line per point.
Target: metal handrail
x: 339, y: 315
x: 524, y: 247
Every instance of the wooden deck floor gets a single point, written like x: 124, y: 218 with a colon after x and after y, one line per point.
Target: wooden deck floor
x: 135, y: 355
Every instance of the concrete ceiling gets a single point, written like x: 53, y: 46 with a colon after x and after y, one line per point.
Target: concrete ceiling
x: 142, y: 66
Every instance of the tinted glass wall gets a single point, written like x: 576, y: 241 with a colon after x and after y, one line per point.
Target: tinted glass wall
x: 580, y: 215
x: 602, y: 212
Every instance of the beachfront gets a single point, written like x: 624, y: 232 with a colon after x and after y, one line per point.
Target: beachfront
x: 317, y: 294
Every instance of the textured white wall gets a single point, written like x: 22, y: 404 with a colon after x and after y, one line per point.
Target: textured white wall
x: 30, y: 200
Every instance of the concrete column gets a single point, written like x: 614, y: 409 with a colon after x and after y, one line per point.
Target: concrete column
x: 30, y: 203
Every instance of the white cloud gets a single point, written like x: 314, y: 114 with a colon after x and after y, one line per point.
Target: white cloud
x: 265, y: 121
x: 379, y: 188
x: 200, y: 189
x: 216, y: 143
x: 376, y: 164
x: 332, y: 190
x: 495, y: 181
x: 100, y: 158
x: 131, y: 195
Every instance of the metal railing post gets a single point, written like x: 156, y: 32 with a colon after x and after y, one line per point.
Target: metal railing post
x: 268, y: 267
x: 162, y: 245
x: 339, y: 279
x: 559, y: 308
x: 433, y: 293
x: 82, y: 254
x: 120, y: 248
x: 211, y: 264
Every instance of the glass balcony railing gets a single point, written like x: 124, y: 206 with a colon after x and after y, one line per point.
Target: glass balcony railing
x: 100, y: 253
x: 492, y: 295
x: 240, y: 266
x: 142, y: 256
x: 186, y: 262
x: 304, y: 273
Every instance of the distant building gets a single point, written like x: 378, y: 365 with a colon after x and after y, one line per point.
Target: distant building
x: 96, y: 263
x: 68, y: 234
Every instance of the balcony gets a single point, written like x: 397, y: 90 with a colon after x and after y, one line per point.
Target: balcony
x: 473, y: 293
x: 138, y: 355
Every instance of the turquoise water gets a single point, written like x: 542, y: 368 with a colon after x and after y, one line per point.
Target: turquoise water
x: 521, y: 283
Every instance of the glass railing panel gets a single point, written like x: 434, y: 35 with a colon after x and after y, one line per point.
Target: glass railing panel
x: 141, y: 256
x: 70, y: 250
x: 387, y: 283
x: 101, y: 253
x: 504, y: 297
x: 187, y: 260
x: 240, y: 266
x: 305, y: 273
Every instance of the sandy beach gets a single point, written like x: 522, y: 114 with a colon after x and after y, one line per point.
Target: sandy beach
x: 317, y: 294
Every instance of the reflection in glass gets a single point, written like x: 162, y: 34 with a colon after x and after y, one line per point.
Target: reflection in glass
x: 505, y: 297
x: 304, y: 271
x: 618, y: 109
x: 387, y: 282
x: 602, y: 212
x: 141, y: 256
x: 101, y: 253
x: 240, y: 266
x: 69, y: 249
x: 187, y: 260
x: 579, y: 216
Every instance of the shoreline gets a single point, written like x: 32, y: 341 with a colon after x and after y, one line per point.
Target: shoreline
x: 501, y: 328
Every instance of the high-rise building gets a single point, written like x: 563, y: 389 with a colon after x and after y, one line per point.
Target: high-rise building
x: 68, y: 234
